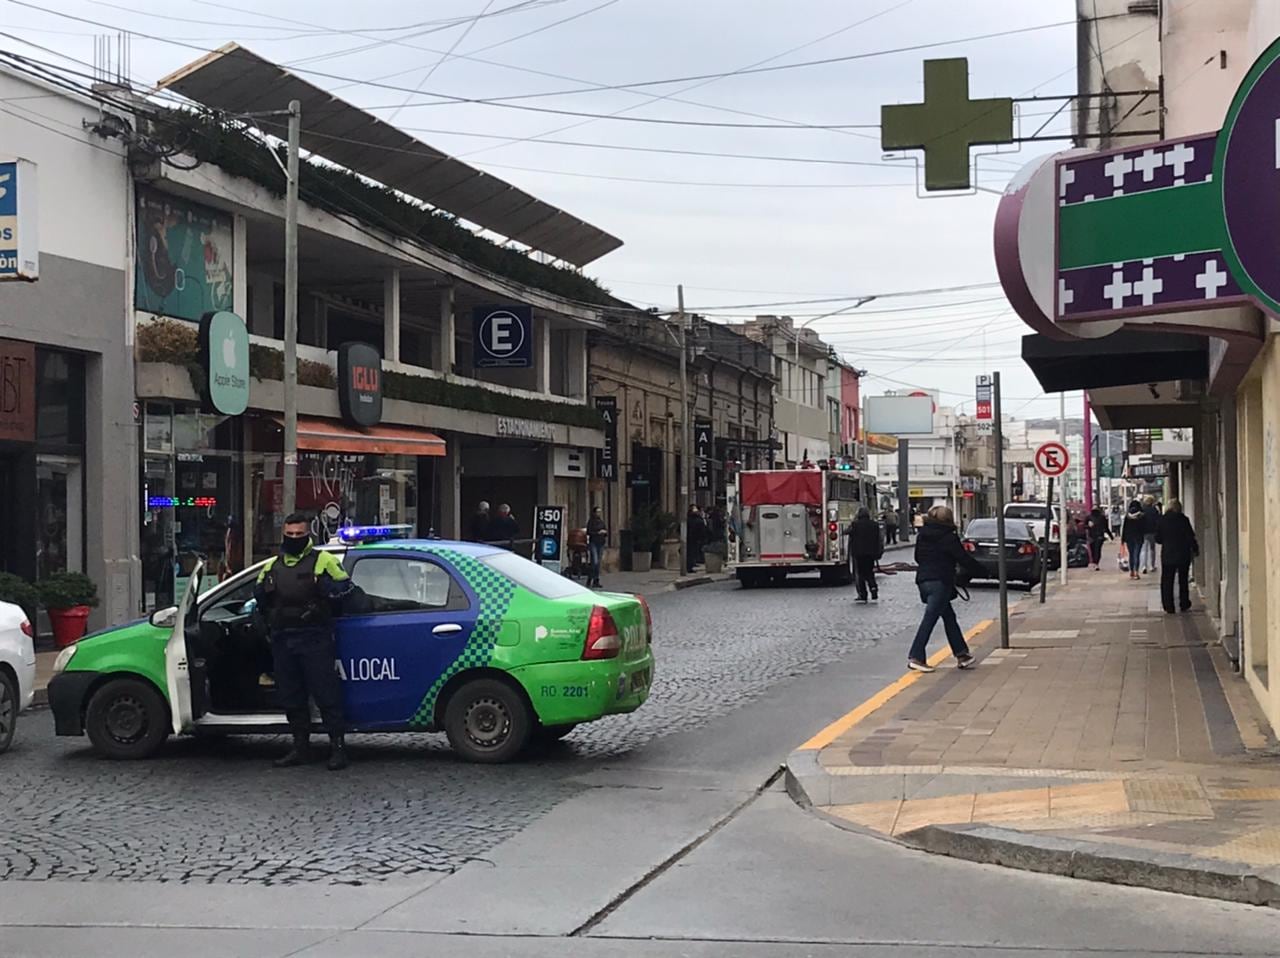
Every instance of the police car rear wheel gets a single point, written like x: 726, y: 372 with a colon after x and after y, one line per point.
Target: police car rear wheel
x: 126, y: 719
x: 487, y: 721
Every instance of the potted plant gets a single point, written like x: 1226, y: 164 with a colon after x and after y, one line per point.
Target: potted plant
x: 713, y: 553
x: 644, y: 537
x: 20, y: 592
x: 68, y: 597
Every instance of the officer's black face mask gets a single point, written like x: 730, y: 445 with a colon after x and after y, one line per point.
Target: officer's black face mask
x: 295, y: 547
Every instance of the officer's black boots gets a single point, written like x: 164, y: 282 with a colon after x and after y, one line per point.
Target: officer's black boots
x: 300, y: 754
x: 337, y: 753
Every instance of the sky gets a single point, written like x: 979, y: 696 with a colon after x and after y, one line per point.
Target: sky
x: 792, y: 214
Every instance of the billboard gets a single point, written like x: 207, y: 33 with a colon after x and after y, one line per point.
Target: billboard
x: 184, y: 257
x: 19, y: 245
x: 900, y: 415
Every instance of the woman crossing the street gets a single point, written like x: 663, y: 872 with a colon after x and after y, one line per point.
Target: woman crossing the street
x: 938, y: 553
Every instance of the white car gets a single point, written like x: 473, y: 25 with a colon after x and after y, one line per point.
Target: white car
x: 17, y: 669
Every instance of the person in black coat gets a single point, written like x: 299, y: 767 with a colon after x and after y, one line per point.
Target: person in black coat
x: 1152, y: 513
x: 1097, y: 528
x: 1178, y: 546
x: 866, y: 545
x: 697, y: 539
x: 1132, y: 533
x: 938, y: 552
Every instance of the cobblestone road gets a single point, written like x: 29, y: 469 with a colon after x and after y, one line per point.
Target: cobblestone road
x: 216, y: 812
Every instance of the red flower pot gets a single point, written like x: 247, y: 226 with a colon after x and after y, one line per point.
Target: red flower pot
x: 68, y: 624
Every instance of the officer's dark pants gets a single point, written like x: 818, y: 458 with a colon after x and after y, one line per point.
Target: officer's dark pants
x: 304, y: 660
x: 864, y: 568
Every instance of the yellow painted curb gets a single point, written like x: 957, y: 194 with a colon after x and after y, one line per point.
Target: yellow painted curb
x: 852, y: 718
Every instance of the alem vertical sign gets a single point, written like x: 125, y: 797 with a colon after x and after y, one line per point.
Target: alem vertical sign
x: 607, y: 458
x: 704, y: 442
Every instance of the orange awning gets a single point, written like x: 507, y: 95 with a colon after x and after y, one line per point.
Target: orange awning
x: 329, y: 435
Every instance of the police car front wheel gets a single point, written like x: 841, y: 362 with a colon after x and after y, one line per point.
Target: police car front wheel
x: 126, y: 719
x: 487, y: 721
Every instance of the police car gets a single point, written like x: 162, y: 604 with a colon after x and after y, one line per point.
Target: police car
x: 492, y: 649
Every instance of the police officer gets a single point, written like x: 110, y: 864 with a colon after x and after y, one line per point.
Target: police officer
x: 296, y: 591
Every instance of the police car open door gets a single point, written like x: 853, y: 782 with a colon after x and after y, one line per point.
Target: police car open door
x: 176, y: 668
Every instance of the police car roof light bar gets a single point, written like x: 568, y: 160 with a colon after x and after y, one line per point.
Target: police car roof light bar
x: 354, y: 534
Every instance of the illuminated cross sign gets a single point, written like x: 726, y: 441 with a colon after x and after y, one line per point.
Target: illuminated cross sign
x: 947, y: 124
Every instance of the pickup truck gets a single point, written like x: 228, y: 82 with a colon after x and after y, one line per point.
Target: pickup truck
x: 1034, y: 513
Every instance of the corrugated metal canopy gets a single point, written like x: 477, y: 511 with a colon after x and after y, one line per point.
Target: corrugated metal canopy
x: 237, y: 80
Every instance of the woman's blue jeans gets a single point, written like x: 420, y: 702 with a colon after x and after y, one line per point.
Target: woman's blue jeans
x: 937, y: 604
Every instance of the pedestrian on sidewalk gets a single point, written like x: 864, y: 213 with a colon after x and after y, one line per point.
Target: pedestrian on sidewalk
x: 1178, y: 546
x: 1133, y: 533
x: 1152, y: 513
x: 938, y: 553
x: 1097, y: 528
x: 478, y: 530
x: 866, y: 545
x: 597, y: 539
x: 890, y: 526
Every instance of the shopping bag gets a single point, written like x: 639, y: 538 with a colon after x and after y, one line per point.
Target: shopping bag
x: 1123, y: 558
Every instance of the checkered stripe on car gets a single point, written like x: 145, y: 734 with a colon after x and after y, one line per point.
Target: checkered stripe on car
x: 494, y: 592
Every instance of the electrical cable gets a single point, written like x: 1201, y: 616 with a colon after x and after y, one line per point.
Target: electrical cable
x: 619, y: 114
x: 435, y: 66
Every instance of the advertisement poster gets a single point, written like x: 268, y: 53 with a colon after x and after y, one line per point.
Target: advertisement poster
x: 184, y: 257
x: 549, y: 536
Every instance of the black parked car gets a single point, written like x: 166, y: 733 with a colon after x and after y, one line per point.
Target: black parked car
x: 1021, y: 549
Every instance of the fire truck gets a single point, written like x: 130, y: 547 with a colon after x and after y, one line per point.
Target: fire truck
x: 787, y: 521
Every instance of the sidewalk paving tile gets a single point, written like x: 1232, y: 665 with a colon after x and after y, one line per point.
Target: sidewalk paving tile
x: 1108, y: 722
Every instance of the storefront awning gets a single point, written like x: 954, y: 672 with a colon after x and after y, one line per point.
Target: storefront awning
x: 328, y: 435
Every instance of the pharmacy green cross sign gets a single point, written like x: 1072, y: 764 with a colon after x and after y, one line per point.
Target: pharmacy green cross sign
x: 946, y: 124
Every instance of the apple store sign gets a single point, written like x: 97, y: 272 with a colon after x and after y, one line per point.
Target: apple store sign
x: 224, y: 356
x: 503, y: 337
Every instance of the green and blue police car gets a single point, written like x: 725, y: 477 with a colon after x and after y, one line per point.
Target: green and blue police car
x: 492, y: 649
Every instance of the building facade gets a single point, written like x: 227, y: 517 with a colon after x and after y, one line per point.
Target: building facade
x: 1155, y: 354
x: 150, y: 223
x: 635, y: 371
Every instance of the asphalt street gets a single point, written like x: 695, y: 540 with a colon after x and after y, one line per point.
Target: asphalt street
x: 661, y: 833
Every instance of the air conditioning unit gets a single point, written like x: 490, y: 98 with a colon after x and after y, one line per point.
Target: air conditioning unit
x: 1149, y: 7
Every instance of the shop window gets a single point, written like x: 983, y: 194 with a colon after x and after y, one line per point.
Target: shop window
x: 59, y: 398
x: 60, y: 526
x: 192, y: 495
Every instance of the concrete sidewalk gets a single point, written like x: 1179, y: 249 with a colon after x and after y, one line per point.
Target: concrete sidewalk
x: 1112, y: 742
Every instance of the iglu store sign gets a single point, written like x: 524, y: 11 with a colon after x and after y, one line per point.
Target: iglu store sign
x: 360, y: 384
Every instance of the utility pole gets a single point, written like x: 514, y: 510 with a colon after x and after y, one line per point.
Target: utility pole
x: 998, y: 433
x: 904, y: 491
x: 291, y: 314
x: 685, y: 437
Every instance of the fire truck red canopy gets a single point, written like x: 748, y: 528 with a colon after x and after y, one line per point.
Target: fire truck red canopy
x: 781, y: 487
